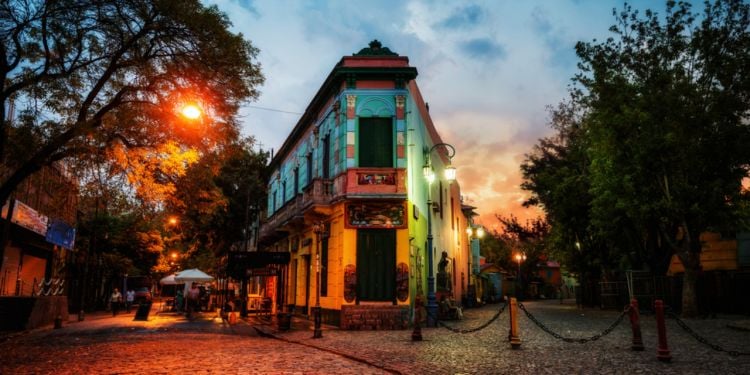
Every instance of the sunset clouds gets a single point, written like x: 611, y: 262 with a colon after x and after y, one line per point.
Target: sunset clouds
x: 488, y: 69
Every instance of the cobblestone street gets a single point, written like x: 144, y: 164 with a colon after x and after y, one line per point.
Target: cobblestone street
x: 172, y: 344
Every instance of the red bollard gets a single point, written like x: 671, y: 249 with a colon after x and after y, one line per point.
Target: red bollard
x: 635, y: 325
x: 416, y: 334
x: 513, y: 336
x: 662, y: 352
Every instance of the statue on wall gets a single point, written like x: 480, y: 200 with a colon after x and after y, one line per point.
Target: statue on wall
x: 443, y: 278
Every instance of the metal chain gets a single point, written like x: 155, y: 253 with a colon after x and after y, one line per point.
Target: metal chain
x: 702, y: 339
x: 483, y: 326
x: 558, y: 336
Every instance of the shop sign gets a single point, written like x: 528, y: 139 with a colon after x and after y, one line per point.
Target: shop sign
x: 262, y: 272
x: 376, y: 215
x: 29, y: 218
x: 61, y: 234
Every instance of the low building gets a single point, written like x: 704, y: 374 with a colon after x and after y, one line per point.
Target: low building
x: 37, y: 236
x: 349, y: 199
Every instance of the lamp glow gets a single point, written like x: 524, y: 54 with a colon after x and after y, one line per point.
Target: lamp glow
x: 450, y: 173
x: 191, y: 111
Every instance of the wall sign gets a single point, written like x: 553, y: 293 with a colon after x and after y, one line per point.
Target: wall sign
x: 61, y: 234
x: 376, y: 215
x: 376, y: 178
x: 29, y: 218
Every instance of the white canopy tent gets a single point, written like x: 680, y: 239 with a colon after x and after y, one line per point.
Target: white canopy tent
x: 169, y: 280
x: 191, y: 276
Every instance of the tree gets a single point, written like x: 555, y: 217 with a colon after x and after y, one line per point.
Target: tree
x: 664, y: 124
x: 88, y: 75
x: 218, y: 199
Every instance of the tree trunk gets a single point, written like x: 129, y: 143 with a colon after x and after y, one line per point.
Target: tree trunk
x: 689, y: 301
x: 689, y: 254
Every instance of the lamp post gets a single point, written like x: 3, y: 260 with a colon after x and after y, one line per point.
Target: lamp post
x: 450, y: 175
x: 474, y: 233
x: 319, y: 229
x: 520, y: 257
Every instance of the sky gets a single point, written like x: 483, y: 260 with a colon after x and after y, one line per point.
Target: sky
x: 488, y: 69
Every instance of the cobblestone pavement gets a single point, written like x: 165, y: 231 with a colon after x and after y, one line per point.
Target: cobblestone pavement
x: 488, y: 351
x: 166, y: 344
x: 172, y: 344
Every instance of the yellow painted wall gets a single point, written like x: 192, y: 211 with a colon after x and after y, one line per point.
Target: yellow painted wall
x: 342, y: 251
x: 716, y: 254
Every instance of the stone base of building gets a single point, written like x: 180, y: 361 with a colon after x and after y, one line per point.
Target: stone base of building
x: 374, y: 317
x: 23, y: 313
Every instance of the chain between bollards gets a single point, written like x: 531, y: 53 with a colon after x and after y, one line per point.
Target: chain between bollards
x: 702, y: 339
x: 479, y: 328
x: 556, y: 335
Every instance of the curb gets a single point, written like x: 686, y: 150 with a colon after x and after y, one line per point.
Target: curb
x: 271, y: 335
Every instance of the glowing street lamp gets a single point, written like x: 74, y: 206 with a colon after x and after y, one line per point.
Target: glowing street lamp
x: 520, y: 257
x: 191, y: 111
x: 474, y: 233
x: 450, y: 175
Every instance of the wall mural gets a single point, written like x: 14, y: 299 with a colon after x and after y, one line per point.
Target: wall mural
x: 350, y: 283
x: 376, y: 215
x: 402, y: 282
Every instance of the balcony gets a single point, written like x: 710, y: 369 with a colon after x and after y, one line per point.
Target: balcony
x: 374, y: 182
x: 316, y: 198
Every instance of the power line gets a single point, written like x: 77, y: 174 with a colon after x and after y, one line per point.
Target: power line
x: 273, y: 110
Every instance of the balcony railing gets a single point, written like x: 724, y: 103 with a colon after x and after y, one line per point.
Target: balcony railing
x: 321, y: 193
x: 318, y: 193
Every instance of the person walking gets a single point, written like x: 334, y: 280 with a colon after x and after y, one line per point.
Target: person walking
x: 129, y: 298
x: 115, y: 301
x: 193, y: 295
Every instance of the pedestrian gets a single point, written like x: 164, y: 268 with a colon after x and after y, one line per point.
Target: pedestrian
x: 115, y: 301
x: 178, y: 300
x: 129, y: 298
x: 193, y: 296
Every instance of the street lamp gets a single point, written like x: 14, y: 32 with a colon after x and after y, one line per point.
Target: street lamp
x: 191, y: 111
x: 520, y: 257
x: 450, y: 175
x: 320, y: 231
x: 474, y: 233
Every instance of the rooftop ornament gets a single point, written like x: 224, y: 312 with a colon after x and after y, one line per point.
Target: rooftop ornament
x: 375, y: 49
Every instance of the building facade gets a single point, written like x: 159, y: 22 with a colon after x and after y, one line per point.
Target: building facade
x: 38, y: 233
x: 348, y: 198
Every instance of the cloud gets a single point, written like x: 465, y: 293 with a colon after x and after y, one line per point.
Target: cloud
x: 468, y: 16
x: 487, y: 68
x: 246, y: 5
x: 484, y: 48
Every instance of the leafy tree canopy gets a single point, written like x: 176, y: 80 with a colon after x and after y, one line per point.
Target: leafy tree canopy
x: 652, y: 144
x: 82, y: 76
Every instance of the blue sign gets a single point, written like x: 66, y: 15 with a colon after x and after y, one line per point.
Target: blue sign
x: 61, y: 234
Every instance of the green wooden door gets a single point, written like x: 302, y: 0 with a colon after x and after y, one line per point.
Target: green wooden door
x: 376, y: 265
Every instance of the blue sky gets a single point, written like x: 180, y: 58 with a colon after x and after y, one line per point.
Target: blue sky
x: 488, y: 69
